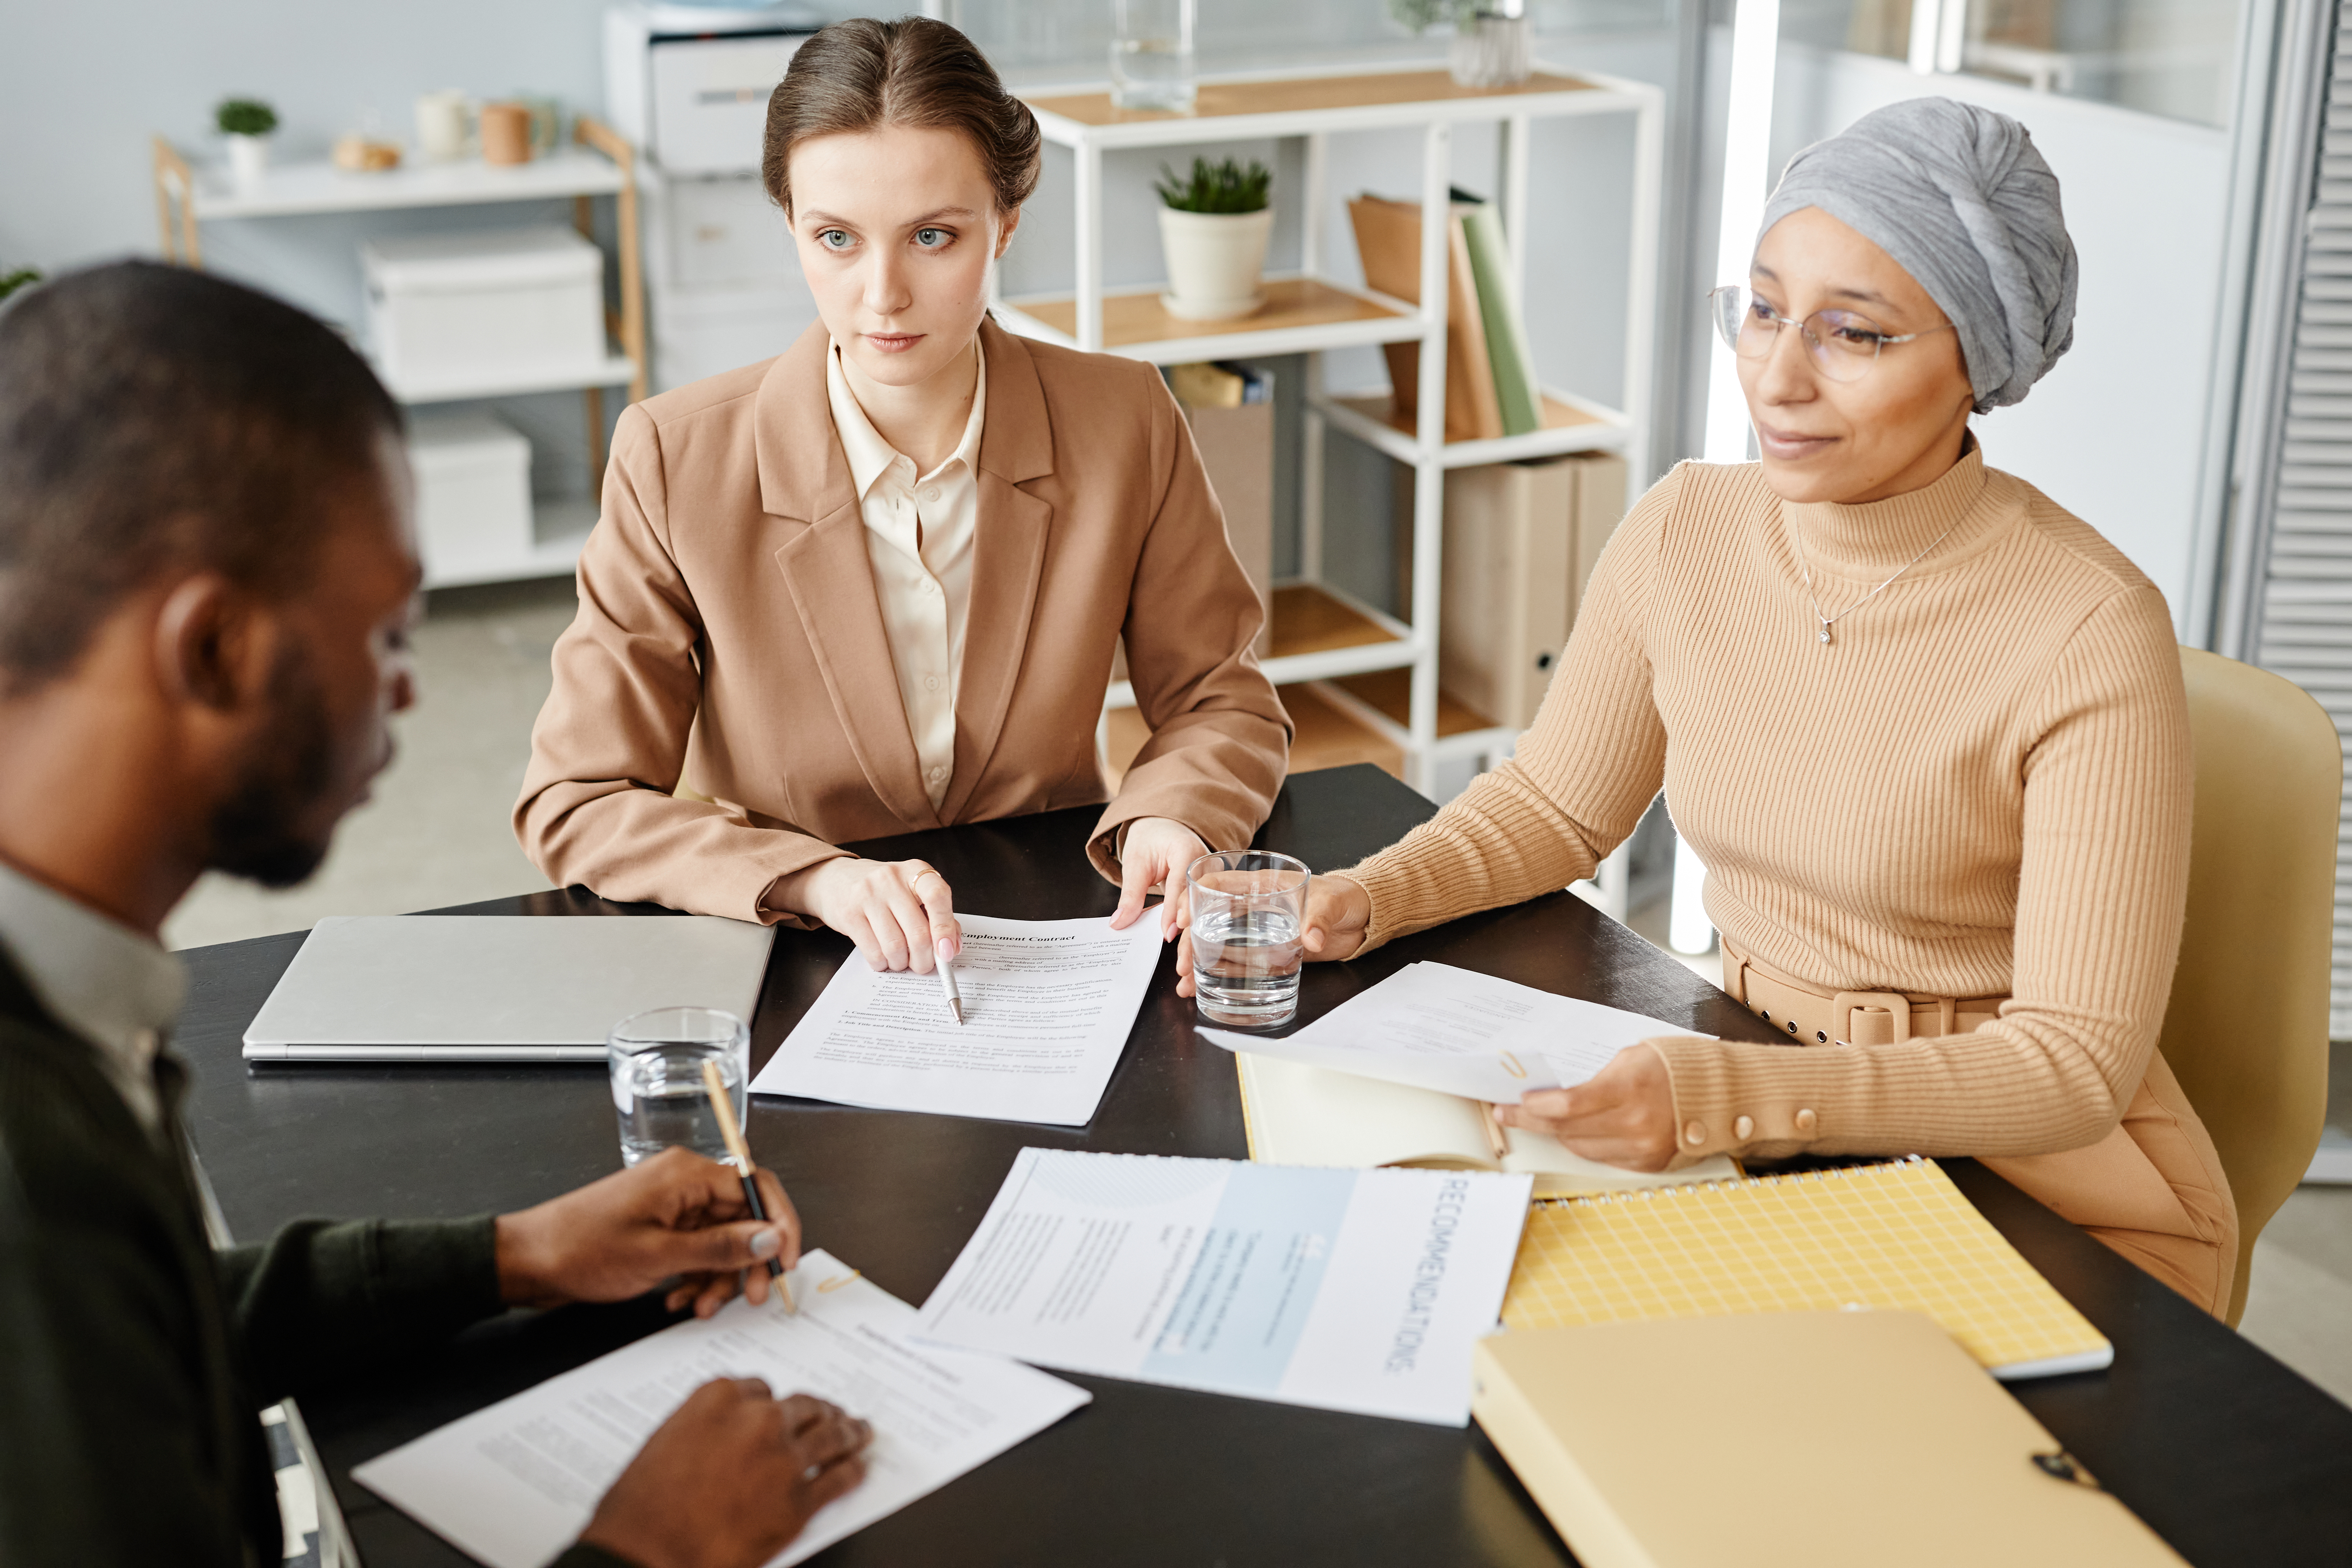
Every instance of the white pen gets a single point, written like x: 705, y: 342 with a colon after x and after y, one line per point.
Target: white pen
x: 946, y: 980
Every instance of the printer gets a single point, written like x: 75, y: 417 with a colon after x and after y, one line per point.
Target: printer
x: 690, y: 84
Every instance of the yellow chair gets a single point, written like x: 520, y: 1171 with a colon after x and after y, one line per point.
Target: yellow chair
x: 2246, y: 1029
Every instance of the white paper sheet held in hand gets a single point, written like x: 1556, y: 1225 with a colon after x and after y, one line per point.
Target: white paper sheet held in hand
x: 1047, y: 1007
x: 514, y: 1483
x: 1359, y: 1291
x: 1435, y: 1026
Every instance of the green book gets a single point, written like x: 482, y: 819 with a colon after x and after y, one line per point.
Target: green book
x: 1499, y: 310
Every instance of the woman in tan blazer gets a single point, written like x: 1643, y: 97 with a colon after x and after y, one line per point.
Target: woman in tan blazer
x: 875, y: 585
x: 1926, y: 729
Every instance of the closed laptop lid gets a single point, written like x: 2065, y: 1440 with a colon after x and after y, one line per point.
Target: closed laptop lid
x: 493, y: 980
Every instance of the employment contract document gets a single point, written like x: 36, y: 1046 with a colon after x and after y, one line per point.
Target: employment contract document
x: 1047, y: 1007
x: 1359, y: 1291
x: 513, y: 1484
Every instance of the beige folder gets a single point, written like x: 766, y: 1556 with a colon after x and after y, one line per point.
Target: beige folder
x: 1856, y: 1439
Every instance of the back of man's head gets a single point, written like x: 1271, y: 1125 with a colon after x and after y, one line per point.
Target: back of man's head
x: 156, y: 422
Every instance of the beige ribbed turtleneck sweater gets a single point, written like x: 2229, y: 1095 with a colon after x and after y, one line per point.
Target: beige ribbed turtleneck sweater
x: 1980, y: 787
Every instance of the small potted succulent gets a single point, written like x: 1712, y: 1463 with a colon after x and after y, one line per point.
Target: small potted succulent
x: 1213, y: 229
x: 246, y: 124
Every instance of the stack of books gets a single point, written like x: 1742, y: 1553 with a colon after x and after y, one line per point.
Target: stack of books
x: 1490, y: 386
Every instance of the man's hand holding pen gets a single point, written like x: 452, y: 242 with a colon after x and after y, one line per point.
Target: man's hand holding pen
x: 677, y: 1217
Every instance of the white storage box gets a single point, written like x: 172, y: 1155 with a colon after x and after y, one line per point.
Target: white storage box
x: 473, y: 496
x: 457, y: 315
x: 719, y: 232
x: 700, y: 332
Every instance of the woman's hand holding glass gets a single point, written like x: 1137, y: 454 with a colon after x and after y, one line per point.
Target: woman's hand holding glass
x: 1339, y: 914
x: 897, y: 911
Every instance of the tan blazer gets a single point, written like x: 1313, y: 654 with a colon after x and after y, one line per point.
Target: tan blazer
x: 730, y: 637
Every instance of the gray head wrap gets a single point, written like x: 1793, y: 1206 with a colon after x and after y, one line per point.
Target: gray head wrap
x: 1959, y: 195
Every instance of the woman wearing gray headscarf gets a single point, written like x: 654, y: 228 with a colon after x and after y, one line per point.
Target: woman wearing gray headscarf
x: 1926, y: 729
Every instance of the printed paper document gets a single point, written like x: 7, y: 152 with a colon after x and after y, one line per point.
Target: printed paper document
x: 513, y: 1484
x: 1047, y: 1007
x: 1435, y: 1026
x: 1358, y: 1290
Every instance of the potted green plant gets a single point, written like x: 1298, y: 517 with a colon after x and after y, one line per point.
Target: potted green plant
x: 246, y: 124
x: 1213, y: 229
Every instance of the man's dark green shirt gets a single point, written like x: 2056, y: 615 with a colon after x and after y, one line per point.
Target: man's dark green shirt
x: 134, y: 1359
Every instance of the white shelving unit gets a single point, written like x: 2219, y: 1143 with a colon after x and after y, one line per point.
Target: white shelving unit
x: 1322, y: 635
x: 600, y: 165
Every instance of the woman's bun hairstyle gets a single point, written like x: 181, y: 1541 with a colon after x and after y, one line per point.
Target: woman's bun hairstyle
x: 856, y: 75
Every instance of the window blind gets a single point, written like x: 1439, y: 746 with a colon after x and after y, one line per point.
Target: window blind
x: 2303, y: 602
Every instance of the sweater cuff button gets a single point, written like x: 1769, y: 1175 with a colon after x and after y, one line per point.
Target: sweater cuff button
x: 1744, y: 1128
x: 1807, y: 1121
x: 1694, y: 1134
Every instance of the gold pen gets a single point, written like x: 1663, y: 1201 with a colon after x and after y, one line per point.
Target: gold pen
x: 724, y: 1109
x: 1495, y: 1138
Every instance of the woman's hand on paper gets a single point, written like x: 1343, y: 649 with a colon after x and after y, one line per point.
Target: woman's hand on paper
x: 1156, y: 853
x: 1622, y: 1115
x: 677, y: 1218
x: 729, y: 1478
x: 1338, y: 912
x: 897, y: 911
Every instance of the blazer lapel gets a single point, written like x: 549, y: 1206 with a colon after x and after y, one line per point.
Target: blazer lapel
x: 804, y: 480
x: 1016, y: 444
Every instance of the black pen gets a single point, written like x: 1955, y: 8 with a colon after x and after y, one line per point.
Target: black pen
x: 724, y: 1109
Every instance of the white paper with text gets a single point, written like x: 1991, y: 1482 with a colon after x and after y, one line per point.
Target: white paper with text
x: 1357, y: 1290
x: 1455, y: 1030
x: 1047, y: 1007
x: 514, y: 1483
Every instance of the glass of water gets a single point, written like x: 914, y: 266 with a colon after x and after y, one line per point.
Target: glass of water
x: 656, y: 1064
x: 1248, y: 906
x: 1151, y: 55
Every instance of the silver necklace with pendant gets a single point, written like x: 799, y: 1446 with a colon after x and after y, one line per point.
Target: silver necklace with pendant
x: 1805, y: 570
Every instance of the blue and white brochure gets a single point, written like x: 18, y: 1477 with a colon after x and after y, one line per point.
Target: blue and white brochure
x: 1356, y: 1290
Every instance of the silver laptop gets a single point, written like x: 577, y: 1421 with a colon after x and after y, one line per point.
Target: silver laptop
x: 497, y: 988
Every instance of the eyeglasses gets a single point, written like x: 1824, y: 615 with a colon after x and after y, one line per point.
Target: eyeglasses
x: 1843, y: 343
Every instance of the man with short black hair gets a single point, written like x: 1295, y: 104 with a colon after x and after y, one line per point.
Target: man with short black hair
x: 206, y: 581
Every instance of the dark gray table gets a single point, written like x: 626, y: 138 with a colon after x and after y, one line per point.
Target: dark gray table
x: 2234, y: 1459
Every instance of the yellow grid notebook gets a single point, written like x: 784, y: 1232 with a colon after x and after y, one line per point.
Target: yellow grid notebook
x: 1896, y: 1235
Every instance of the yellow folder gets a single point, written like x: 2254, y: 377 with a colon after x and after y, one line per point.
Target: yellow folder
x: 1856, y: 1439
x: 1896, y: 1235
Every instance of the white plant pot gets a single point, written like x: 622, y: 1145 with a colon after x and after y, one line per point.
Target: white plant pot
x: 1490, y: 51
x: 249, y: 158
x: 1215, y: 262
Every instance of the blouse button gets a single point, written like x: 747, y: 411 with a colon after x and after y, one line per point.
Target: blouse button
x: 931, y: 493
x: 1694, y: 1134
x: 930, y: 683
x: 1744, y: 1128
x: 1807, y: 1121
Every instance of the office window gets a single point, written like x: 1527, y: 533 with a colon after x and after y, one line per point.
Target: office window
x: 2173, y: 58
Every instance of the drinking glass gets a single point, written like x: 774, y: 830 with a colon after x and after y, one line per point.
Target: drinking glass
x: 1151, y: 55
x: 656, y: 1061
x: 1248, y: 907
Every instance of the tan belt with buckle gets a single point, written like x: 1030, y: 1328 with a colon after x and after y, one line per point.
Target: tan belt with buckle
x: 1813, y: 1016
